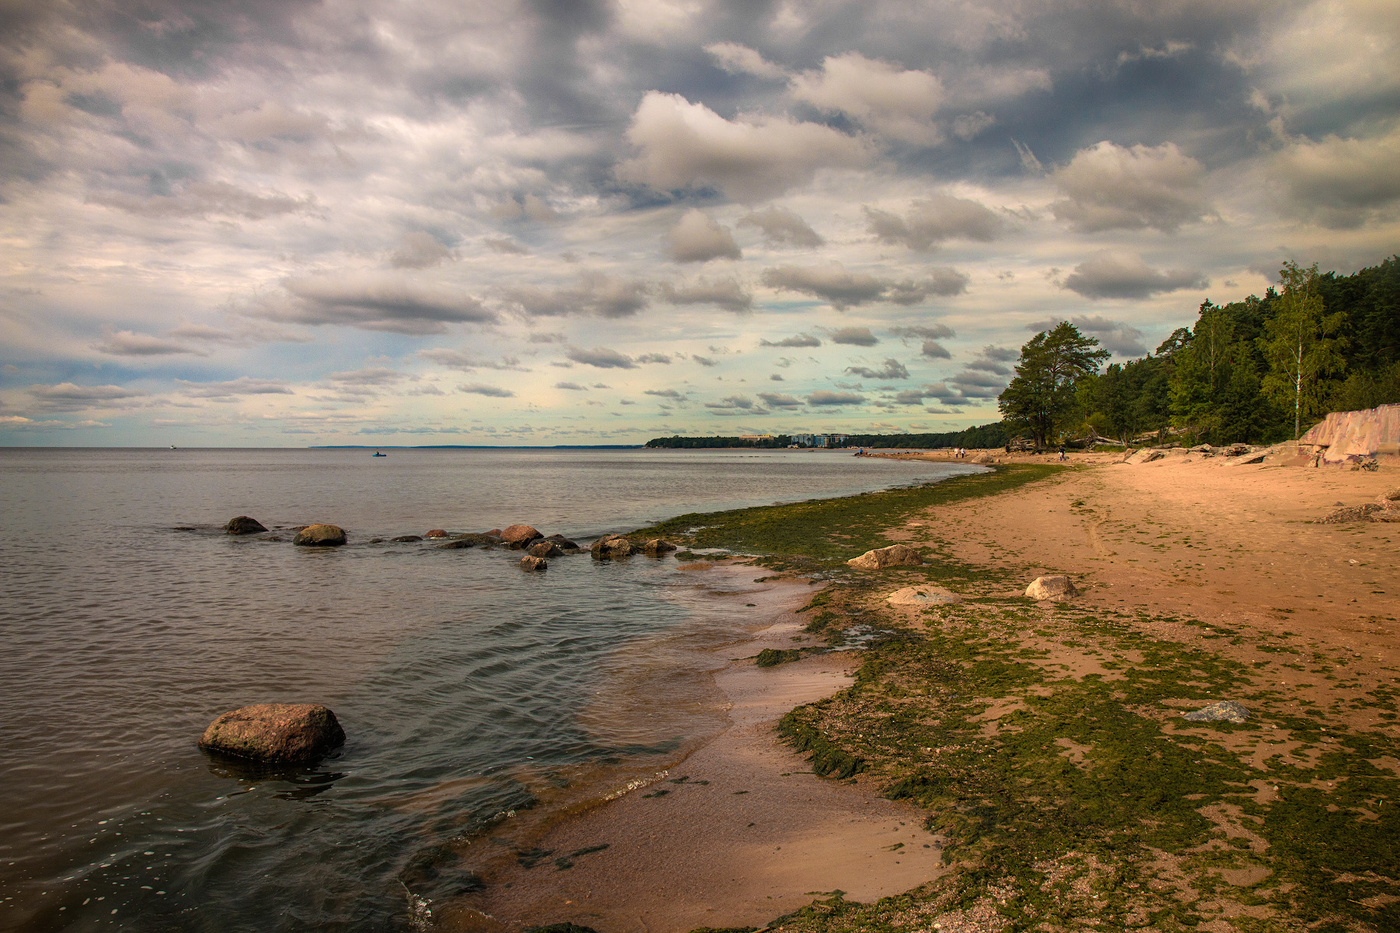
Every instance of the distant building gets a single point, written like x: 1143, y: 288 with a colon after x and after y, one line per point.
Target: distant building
x: 820, y: 440
x: 757, y: 438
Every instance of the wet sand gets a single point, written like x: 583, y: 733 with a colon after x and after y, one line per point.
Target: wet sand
x: 736, y: 834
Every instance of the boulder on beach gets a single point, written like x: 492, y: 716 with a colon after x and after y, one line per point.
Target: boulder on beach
x: 612, y: 547
x: 519, y: 536
x: 435, y: 533
x: 532, y: 563
x: 919, y: 597
x: 1353, y: 513
x: 544, y: 548
x: 1054, y: 586
x: 658, y: 546
x: 1224, y: 711
x: 275, y: 733
x: 243, y: 525
x: 1146, y: 455
x: 320, y: 536
x: 896, y: 555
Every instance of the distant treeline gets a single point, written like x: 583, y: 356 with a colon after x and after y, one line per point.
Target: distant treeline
x: 781, y: 440
x: 1246, y: 370
x: 986, y: 435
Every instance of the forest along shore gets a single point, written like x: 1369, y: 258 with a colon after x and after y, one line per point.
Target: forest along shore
x: 1045, y: 745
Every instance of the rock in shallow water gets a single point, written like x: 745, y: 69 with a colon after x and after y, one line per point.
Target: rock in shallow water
x: 533, y: 563
x: 320, y: 536
x: 612, y: 547
x: 518, y: 536
x: 243, y: 525
x: 275, y: 733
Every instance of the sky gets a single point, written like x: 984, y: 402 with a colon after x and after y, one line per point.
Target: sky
x: 290, y: 223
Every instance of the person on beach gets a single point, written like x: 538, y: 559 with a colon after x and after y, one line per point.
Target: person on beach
x: 1062, y: 452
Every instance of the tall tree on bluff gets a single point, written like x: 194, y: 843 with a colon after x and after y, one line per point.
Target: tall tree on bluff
x: 1043, y: 392
x: 1299, y: 344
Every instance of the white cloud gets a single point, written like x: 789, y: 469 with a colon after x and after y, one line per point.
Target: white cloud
x: 418, y: 250
x: 883, y: 97
x: 742, y: 60
x: 687, y: 145
x: 1109, y: 187
x: 698, y: 237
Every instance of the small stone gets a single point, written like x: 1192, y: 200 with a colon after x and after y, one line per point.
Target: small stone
x: 531, y: 563
x: 1224, y: 711
x: 404, y: 539
x: 919, y: 596
x: 612, y: 547
x: 243, y: 525
x: 545, y: 548
x: 1056, y: 586
x: 435, y: 533
x: 320, y: 536
x: 275, y: 733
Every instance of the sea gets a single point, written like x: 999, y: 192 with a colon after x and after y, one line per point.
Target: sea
x: 474, y: 696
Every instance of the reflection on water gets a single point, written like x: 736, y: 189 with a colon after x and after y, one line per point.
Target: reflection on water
x: 471, y: 693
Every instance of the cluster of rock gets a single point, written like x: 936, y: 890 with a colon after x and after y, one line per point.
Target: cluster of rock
x: 1353, y: 436
x: 1386, y: 508
x: 1224, y: 711
x: 539, y: 548
x: 1235, y: 454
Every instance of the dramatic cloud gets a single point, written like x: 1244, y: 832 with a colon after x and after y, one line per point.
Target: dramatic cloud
x: 698, y: 237
x: 830, y: 283
x: 824, y: 398
x: 1108, y: 187
x: 723, y: 293
x: 600, y: 357
x: 883, y: 97
x: 127, y: 343
x: 383, y: 304
x: 932, y: 221
x: 684, y: 145
x: 781, y: 227
x: 418, y: 250
x: 800, y: 340
x: 1125, y: 275
x: 854, y: 337
x: 892, y: 369
x: 1342, y: 183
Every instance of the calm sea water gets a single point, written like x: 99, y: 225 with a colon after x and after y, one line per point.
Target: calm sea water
x: 472, y: 694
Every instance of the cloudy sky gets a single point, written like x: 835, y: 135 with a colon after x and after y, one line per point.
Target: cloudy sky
x: 282, y: 222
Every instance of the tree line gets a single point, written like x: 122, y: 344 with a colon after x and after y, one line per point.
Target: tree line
x: 1263, y: 369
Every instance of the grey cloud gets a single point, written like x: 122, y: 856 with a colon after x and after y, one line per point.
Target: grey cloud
x: 740, y: 59
x: 942, y: 282
x: 923, y: 331
x: 456, y: 359
x: 977, y: 385
x: 571, y: 386
x: 823, y: 397
x: 698, y: 237
x: 600, y: 357
x: 382, y: 304
x: 597, y: 293
x: 1341, y: 183
x: 935, y: 350
x: 244, y: 385
x: 207, y: 198
x: 779, y: 400
x: 775, y: 377
x: 370, y: 376
x: 896, y: 102
x: 732, y: 402
x: 1116, y: 336
x: 781, y: 227
x: 724, y: 293
x: 654, y: 358
x: 703, y: 360
x: 1108, y: 187
x: 65, y: 396
x: 909, y: 397
x: 504, y: 244
x: 478, y: 388
x: 127, y: 343
x: 799, y: 340
x: 831, y: 283
x: 1125, y: 275
x: 933, y: 220
x: 892, y: 369
x: 664, y: 393
x: 418, y: 250
x: 684, y: 145
x: 854, y: 337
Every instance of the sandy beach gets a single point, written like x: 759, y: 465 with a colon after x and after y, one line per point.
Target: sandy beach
x: 742, y: 832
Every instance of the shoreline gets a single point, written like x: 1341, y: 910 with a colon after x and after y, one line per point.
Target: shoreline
x: 1223, y: 573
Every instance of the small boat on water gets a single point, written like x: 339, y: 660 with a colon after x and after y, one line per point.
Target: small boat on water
x: 378, y: 454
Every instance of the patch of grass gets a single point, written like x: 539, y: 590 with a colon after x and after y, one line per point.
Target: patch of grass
x: 772, y: 657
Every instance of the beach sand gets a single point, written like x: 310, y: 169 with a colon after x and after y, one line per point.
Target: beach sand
x: 1181, y: 538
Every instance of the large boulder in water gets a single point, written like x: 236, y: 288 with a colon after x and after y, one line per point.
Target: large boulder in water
x: 896, y: 555
x: 519, y: 536
x: 275, y: 733
x: 320, y: 536
x: 243, y: 525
